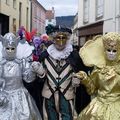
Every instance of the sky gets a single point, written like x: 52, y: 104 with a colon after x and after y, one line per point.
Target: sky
x: 62, y: 7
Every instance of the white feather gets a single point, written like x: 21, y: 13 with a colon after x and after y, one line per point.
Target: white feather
x: 24, y: 50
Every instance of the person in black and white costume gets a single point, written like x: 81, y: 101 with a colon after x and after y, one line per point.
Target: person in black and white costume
x: 60, y: 62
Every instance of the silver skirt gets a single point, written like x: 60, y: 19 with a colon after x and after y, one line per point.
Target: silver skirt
x: 18, y: 106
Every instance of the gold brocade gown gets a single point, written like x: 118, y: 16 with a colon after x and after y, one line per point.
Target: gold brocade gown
x: 105, y: 84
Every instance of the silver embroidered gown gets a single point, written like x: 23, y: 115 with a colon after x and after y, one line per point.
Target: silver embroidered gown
x: 15, y: 101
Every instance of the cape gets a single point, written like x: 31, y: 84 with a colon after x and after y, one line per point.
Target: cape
x: 73, y: 59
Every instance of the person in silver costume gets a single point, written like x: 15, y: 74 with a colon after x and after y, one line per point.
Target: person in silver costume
x: 15, y: 101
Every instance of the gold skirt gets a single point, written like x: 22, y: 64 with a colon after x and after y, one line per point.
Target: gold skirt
x: 101, y: 109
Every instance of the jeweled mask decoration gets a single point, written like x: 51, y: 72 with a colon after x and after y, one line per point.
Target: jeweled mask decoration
x: 10, y: 42
x: 111, y: 43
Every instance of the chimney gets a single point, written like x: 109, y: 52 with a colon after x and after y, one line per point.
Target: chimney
x: 53, y: 11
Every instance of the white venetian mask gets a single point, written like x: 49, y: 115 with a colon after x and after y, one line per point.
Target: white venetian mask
x: 111, y: 54
x: 10, y: 42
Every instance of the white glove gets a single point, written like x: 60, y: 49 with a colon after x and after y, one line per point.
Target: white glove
x: 75, y: 81
x: 35, y: 66
x: 38, y: 68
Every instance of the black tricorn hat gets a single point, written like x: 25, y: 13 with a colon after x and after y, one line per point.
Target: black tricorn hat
x: 52, y: 29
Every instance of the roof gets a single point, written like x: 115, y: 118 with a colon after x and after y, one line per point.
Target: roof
x: 49, y: 14
x: 66, y: 21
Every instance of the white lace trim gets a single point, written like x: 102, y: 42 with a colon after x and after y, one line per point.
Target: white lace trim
x: 58, y: 55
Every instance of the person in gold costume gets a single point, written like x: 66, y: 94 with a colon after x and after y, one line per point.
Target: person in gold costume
x: 104, y: 81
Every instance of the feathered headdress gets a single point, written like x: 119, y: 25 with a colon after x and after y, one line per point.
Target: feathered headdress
x: 44, y: 37
x: 21, y: 32
x: 29, y: 35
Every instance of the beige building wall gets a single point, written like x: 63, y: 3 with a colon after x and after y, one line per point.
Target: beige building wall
x: 11, y: 8
x: 110, y: 18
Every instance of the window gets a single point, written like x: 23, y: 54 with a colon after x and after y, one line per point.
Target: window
x: 14, y: 3
x: 27, y: 15
x: 49, y: 20
x: 82, y: 41
x: 28, y: 1
x: 99, y: 8
x: 86, y: 11
x: 7, y: 2
x: 20, y: 13
x: 14, y: 25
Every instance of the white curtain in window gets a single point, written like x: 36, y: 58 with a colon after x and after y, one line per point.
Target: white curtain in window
x: 99, y: 8
x: 86, y: 10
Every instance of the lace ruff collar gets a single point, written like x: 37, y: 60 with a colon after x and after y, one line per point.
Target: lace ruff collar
x: 58, y: 55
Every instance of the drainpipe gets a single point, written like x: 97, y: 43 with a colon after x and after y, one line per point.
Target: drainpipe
x: 31, y: 15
